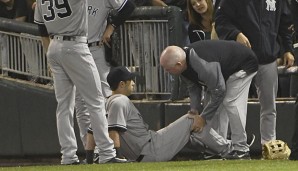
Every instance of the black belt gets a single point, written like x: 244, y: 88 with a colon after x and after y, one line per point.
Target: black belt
x: 94, y: 44
x: 66, y: 38
x: 79, y: 39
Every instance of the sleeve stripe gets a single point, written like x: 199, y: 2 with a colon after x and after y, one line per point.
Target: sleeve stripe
x: 117, y: 126
x: 38, y: 22
x: 119, y: 9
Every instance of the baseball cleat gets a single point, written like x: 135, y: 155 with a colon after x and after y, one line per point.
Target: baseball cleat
x: 208, y: 156
x: 117, y: 160
x: 96, y: 158
x: 237, y: 155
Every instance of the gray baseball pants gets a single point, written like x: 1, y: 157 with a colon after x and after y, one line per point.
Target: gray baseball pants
x: 167, y: 142
x: 266, y: 82
x: 233, y: 110
x: 73, y: 67
x: 82, y: 114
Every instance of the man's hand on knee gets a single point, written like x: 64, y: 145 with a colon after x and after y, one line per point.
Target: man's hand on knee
x: 198, y: 123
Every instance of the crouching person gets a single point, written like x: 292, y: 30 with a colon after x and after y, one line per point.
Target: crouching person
x: 135, y: 142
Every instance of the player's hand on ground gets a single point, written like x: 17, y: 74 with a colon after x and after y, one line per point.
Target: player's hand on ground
x: 198, y: 123
x: 106, y: 38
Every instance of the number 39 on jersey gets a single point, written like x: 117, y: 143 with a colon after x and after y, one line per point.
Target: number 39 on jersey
x: 56, y: 8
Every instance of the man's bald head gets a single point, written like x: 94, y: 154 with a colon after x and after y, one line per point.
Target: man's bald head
x: 172, y: 59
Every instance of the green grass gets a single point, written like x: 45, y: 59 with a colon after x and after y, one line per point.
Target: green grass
x: 237, y: 165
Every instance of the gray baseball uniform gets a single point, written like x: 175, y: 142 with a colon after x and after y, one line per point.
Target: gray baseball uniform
x: 98, y: 11
x: 73, y: 68
x: 136, y: 139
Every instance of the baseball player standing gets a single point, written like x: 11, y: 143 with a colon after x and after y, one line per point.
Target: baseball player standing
x: 73, y: 67
x: 99, y: 32
x: 134, y: 141
x: 226, y: 69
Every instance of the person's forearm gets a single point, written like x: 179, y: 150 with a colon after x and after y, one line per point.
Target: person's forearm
x: 158, y: 3
x: 114, y: 135
x: 45, y: 42
x: 23, y: 18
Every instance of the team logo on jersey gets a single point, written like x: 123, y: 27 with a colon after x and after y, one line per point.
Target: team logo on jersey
x: 92, y: 10
x: 270, y: 5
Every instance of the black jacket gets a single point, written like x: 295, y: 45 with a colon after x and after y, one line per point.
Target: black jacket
x: 260, y: 22
x: 294, y: 5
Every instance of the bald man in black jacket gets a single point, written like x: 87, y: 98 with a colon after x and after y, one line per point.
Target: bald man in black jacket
x: 226, y: 69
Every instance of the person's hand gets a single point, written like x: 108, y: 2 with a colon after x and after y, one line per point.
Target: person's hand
x: 198, y: 123
x: 291, y: 28
x: 33, y: 5
x: 106, y: 38
x: 193, y: 112
x: 288, y: 59
x: 241, y: 38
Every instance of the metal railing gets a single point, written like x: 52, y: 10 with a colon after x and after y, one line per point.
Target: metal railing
x: 143, y: 41
x: 137, y: 44
x: 23, y: 54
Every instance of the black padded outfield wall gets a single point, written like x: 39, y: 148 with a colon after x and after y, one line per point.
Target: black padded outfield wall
x: 152, y: 113
x: 28, y: 119
x: 284, y: 123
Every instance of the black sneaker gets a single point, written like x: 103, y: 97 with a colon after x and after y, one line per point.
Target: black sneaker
x: 117, y: 160
x: 251, y: 140
x: 237, y: 155
x: 208, y: 156
x: 95, y: 158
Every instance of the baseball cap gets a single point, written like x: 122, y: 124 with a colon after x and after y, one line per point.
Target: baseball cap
x: 118, y: 74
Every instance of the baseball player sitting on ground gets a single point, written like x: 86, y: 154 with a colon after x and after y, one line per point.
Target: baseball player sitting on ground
x: 226, y: 68
x: 135, y: 142
x: 99, y: 33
